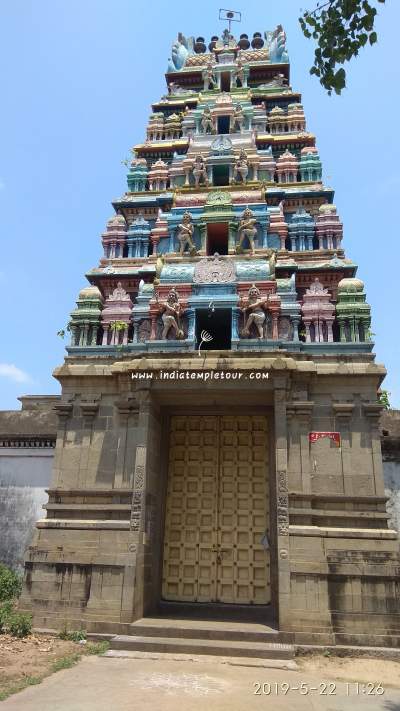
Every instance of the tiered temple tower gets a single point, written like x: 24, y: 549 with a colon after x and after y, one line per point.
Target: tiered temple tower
x: 218, y: 439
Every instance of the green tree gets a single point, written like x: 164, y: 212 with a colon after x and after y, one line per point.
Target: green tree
x: 383, y: 398
x: 341, y: 28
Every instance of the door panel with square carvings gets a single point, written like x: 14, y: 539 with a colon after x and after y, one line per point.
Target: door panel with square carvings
x: 217, y: 510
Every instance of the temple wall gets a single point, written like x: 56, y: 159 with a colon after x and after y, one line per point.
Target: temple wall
x: 95, y: 562
x: 24, y: 477
x: 391, y: 470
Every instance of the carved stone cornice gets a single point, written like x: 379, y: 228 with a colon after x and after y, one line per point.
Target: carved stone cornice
x: 63, y: 409
x: 127, y: 405
x: 297, y: 408
x: 343, y: 409
x: 372, y: 409
x: 89, y: 408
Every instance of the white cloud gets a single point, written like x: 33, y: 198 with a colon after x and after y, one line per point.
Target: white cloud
x: 10, y: 371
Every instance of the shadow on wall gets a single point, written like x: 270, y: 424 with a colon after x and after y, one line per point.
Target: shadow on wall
x: 391, y: 472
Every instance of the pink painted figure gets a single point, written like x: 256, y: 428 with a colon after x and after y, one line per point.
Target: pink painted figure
x: 185, y: 234
x: 171, y: 311
x: 255, y: 307
x: 200, y: 170
x: 247, y: 228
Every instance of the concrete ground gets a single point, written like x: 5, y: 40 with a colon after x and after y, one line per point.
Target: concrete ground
x: 190, y: 684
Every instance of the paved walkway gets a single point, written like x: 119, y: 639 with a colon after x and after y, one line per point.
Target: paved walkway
x: 143, y: 684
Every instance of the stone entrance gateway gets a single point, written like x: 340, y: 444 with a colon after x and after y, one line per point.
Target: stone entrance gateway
x: 217, y: 510
x: 221, y: 372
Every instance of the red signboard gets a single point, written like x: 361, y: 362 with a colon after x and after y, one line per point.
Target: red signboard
x: 334, y: 436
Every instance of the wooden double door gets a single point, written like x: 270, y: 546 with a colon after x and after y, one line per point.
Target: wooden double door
x: 217, y: 509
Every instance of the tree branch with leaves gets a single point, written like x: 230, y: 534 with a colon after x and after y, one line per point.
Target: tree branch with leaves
x: 341, y: 28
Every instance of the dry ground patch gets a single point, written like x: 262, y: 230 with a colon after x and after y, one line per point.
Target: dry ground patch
x: 26, y: 661
x: 363, y: 669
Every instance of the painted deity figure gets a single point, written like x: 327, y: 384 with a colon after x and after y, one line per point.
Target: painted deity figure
x: 171, y: 311
x: 206, y: 121
x: 185, y: 234
x: 239, y: 74
x: 247, y: 228
x: 241, y: 167
x: 199, y: 170
x: 238, y: 118
x: 255, y: 308
x: 209, y: 77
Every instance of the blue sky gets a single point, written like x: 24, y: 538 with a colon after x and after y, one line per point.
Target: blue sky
x: 77, y: 82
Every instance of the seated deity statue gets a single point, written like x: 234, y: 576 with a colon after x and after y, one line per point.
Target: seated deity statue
x: 256, y: 314
x: 247, y: 228
x: 171, y: 311
x: 238, y: 119
x: 185, y: 234
x: 241, y: 167
x: 207, y: 124
x: 278, y: 80
x: 200, y: 170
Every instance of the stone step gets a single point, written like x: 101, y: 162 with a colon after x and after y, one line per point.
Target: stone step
x: 208, y: 630
x: 216, y: 611
x: 260, y: 650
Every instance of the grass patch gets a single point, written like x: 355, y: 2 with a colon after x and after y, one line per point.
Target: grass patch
x: 20, y: 685
x: 91, y: 648
x: 66, y: 662
x: 75, y: 636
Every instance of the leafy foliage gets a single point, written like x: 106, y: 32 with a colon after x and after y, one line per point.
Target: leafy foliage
x: 384, y: 399
x: 19, y: 624
x: 6, y: 610
x: 10, y: 583
x: 341, y: 28
x: 73, y: 636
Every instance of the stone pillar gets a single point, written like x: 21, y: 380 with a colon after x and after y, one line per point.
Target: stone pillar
x: 316, y: 330
x: 135, y: 330
x: 190, y: 314
x: 153, y: 331
x: 233, y: 226
x: 295, y: 323
x: 275, y: 332
x: 127, y: 406
x: 139, y: 543
x: 236, y: 313
x: 342, y: 330
x: 105, y: 334
x: 93, y: 340
x: 63, y: 409
x: 303, y: 413
x: 74, y: 335
x: 372, y: 411
x: 264, y: 235
x: 89, y: 410
x: 343, y: 413
x: 154, y: 241
x: 282, y: 505
x: 203, y: 237
x: 352, y: 328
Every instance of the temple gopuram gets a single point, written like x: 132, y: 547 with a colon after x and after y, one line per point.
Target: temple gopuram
x: 218, y: 448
